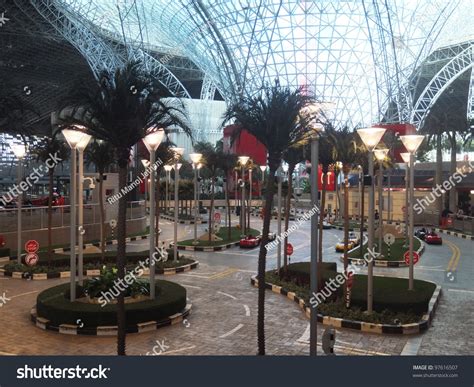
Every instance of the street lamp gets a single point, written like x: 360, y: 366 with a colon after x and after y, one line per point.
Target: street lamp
x: 243, y: 160
x: 406, y: 160
x: 152, y: 142
x: 195, y: 158
x: 81, y: 146
x: 168, y: 169
x: 411, y: 143
x: 283, y: 168
x: 178, y: 152
x: 73, y: 138
x: 19, y: 151
x: 371, y: 137
x: 380, y: 155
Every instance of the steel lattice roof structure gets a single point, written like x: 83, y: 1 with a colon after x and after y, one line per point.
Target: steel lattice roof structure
x: 364, y: 56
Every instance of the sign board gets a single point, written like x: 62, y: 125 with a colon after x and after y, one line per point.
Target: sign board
x: 450, y: 221
x: 217, y: 217
x: 31, y: 259
x: 289, y: 249
x: 416, y: 257
x: 31, y: 246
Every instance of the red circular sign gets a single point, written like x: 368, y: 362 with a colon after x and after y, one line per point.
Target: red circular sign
x: 450, y: 221
x: 31, y: 259
x: 416, y: 257
x: 289, y: 249
x: 31, y: 246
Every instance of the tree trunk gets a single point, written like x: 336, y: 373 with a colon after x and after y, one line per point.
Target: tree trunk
x: 157, y: 209
x: 346, y: 221
x: 262, y: 256
x: 439, y: 174
x: 50, y: 215
x: 229, y: 220
x: 121, y: 257
x: 362, y: 219
x: 211, y: 209
x: 291, y: 168
x: 321, y: 218
x: 102, y: 216
x: 452, y: 171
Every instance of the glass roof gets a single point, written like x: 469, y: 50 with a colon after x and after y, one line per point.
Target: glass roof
x: 355, y: 54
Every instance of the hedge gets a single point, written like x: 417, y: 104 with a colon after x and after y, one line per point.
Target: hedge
x: 53, y: 304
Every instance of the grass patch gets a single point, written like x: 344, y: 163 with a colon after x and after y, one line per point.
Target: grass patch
x: 235, y: 236
x: 392, y: 299
x: 396, y: 250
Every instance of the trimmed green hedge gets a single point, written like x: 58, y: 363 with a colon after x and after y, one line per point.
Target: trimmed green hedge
x: 53, y: 304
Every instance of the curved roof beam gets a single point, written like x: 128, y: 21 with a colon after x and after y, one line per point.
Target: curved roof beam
x: 440, y: 82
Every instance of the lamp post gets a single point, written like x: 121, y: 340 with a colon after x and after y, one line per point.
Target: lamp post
x: 243, y: 160
x: 178, y: 152
x: 145, y: 164
x: 371, y: 137
x: 168, y: 169
x: 19, y: 151
x: 195, y: 158
x: 236, y: 192
x: 263, y: 168
x: 152, y: 142
x: 411, y: 143
x: 250, y: 195
x: 81, y: 146
x: 406, y: 160
x: 380, y: 155
x: 73, y: 138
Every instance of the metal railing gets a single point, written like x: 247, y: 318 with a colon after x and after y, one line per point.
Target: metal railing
x: 34, y: 218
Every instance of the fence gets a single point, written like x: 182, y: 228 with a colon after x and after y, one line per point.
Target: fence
x: 34, y: 218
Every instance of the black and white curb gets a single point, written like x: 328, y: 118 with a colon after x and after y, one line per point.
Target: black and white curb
x: 70, y: 329
x: 206, y: 249
x: 402, y: 329
x: 455, y: 233
x: 383, y: 262
x: 92, y: 273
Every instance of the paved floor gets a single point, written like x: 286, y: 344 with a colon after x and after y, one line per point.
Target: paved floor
x: 223, y: 318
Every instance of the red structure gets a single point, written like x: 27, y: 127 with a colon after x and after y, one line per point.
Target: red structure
x: 244, y: 145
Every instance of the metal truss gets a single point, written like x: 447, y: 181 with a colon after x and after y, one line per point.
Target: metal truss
x: 208, y: 90
x: 440, y: 82
x: 470, y: 99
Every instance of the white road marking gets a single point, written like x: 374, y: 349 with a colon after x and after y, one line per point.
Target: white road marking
x: 232, y: 331
x: 228, y: 295
x: 412, y: 346
x: 24, y: 294
x: 177, y: 350
x: 460, y: 290
x: 247, y: 310
x: 190, y: 286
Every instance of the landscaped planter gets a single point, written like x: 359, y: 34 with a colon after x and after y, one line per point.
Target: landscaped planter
x: 404, y: 329
x: 55, y: 312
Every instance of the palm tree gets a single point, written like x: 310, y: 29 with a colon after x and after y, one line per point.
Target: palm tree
x: 274, y: 118
x: 344, y: 150
x: 14, y: 111
x: 292, y: 156
x: 325, y: 160
x: 228, y: 162
x: 101, y: 154
x: 122, y: 108
x: 43, y: 150
x: 212, y: 159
